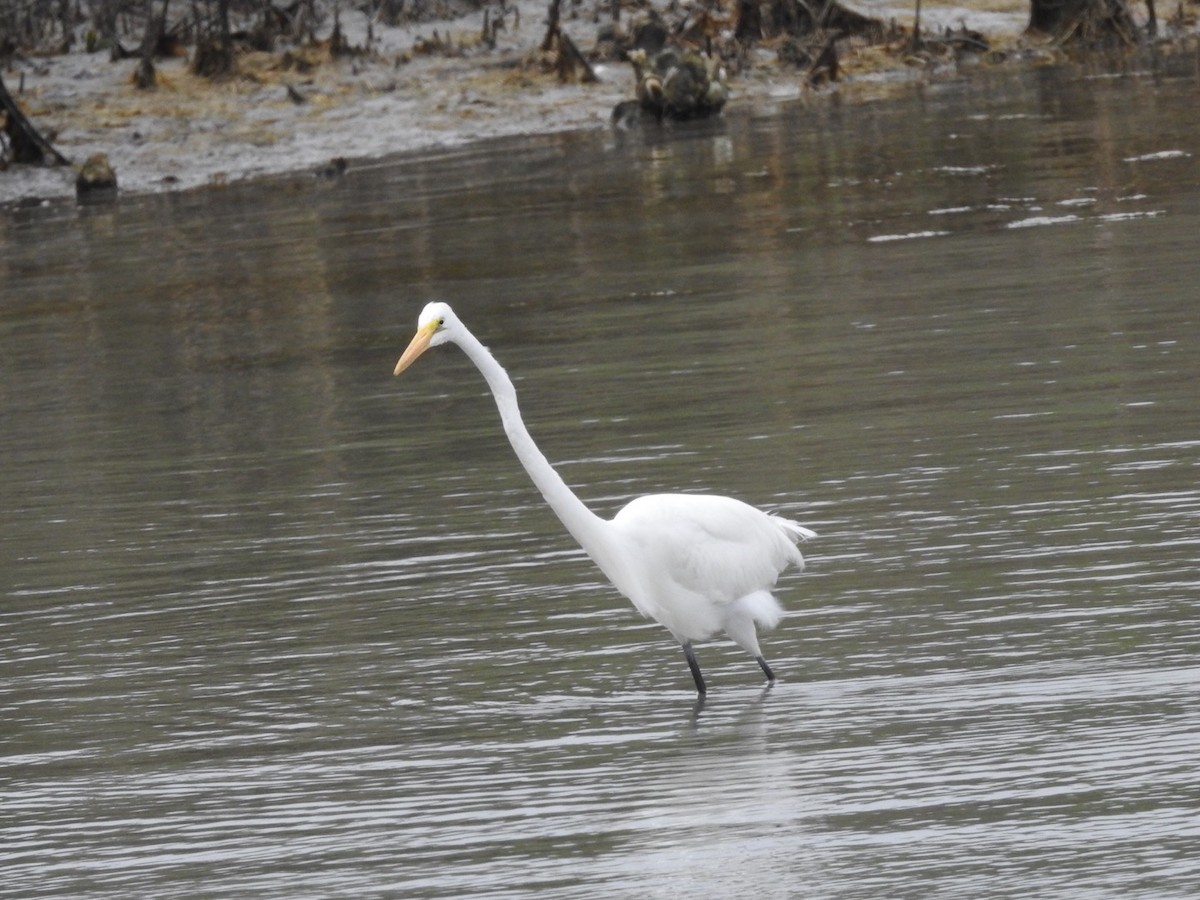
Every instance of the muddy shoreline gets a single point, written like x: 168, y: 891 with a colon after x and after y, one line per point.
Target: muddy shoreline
x: 272, y: 119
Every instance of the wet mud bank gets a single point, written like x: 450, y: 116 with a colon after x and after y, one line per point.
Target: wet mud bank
x: 357, y: 90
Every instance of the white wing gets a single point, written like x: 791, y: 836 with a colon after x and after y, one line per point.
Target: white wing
x: 698, y: 554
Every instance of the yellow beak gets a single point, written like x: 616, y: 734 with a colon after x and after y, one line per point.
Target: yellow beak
x: 418, y: 345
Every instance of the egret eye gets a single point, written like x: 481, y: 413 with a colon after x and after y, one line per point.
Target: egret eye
x: 441, y: 323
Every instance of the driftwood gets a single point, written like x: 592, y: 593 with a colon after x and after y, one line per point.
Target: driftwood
x: 25, y: 142
x: 571, y: 65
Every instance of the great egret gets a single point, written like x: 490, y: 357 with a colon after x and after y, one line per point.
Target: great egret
x: 696, y: 564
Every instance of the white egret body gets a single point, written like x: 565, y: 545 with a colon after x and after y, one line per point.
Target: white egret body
x: 697, y: 564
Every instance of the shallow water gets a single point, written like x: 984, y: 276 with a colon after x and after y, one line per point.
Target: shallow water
x: 276, y: 624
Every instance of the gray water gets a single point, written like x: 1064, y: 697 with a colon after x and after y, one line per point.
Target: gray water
x: 276, y: 624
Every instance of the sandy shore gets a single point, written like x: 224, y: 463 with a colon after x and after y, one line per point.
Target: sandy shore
x: 189, y: 132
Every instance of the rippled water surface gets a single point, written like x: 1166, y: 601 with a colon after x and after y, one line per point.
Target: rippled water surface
x: 276, y: 624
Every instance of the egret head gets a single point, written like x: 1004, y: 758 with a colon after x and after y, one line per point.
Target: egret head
x: 436, y: 325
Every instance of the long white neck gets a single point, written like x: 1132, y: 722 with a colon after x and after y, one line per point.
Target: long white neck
x: 585, y: 526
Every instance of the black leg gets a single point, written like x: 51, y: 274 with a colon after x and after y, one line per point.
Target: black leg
x: 767, y: 669
x: 695, y: 667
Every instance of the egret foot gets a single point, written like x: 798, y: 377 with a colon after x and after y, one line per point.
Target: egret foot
x: 767, y: 669
x: 695, y: 667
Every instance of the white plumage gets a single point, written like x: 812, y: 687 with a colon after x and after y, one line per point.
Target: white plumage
x: 698, y: 564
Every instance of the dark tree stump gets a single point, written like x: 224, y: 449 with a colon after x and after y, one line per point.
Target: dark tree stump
x: 1086, y: 21
x: 96, y: 179
x: 749, y: 22
x: 801, y: 18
